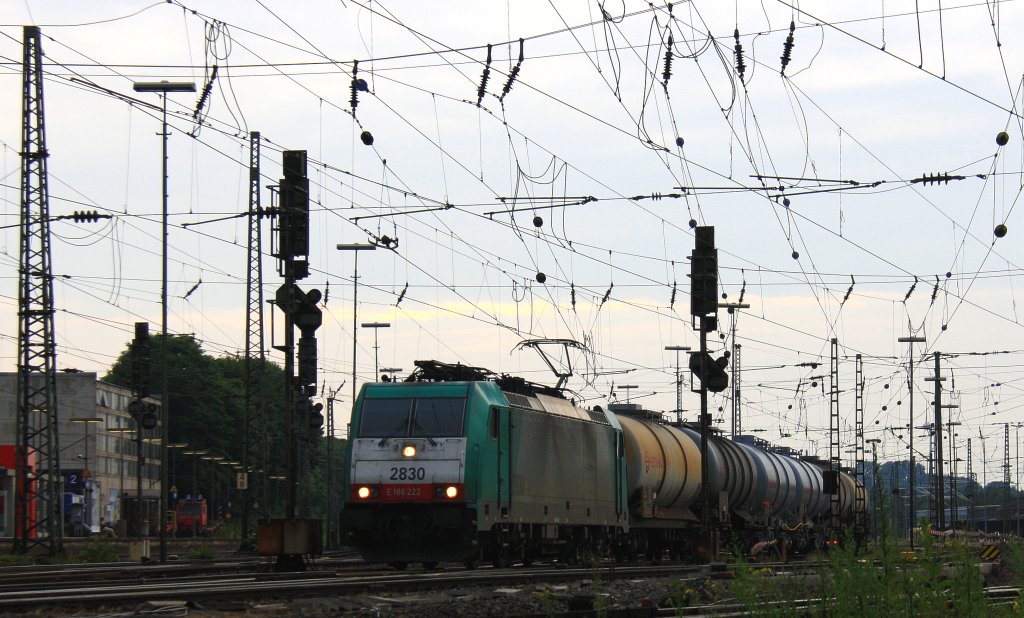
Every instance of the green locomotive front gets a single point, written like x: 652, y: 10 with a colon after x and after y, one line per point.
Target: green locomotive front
x: 463, y: 471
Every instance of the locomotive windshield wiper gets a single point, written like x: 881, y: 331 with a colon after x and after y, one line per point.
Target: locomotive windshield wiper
x: 416, y: 425
x: 394, y: 430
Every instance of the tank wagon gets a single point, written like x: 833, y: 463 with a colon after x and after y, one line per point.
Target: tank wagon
x: 457, y: 464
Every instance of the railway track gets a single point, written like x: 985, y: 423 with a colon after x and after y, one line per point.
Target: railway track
x: 118, y: 585
x: 241, y: 585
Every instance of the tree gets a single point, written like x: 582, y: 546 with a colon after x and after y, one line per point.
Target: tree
x: 207, y: 403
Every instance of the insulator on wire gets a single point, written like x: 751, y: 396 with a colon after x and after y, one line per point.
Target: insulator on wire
x: 512, y: 74
x: 483, y: 78
x: 607, y: 294
x: 402, y: 295
x: 911, y: 290
x: 935, y: 290
x: 787, y: 48
x: 672, y: 301
x: 936, y: 178
x: 192, y: 289
x: 572, y: 294
x: 741, y: 68
x: 205, y: 95
x: 667, y: 73
x: 354, y: 101
x: 87, y: 216
x: 849, y: 290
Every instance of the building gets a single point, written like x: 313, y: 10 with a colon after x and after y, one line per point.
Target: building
x: 98, y: 454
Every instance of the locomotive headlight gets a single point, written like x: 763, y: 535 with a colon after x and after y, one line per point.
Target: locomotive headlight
x: 363, y: 492
x: 409, y: 451
x: 451, y: 492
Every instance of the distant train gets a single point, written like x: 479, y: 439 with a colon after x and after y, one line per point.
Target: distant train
x: 190, y: 518
x: 457, y: 464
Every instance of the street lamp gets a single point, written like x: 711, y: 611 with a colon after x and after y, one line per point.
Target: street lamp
x: 174, y: 473
x: 391, y: 371
x: 86, y: 475
x: 910, y: 341
x: 954, y: 507
x: 679, y: 381
x: 376, y: 326
x: 874, y: 485
x: 120, y: 469
x: 357, y: 247
x: 163, y: 88
x: 627, y: 388
x: 277, y: 478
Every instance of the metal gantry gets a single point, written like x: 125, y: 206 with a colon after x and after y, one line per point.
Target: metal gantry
x: 39, y: 508
x: 333, y: 540
x: 254, y: 455
x: 910, y: 341
x: 970, y: 483
x: 1006, y: 477
x: 938, y: 482
x: 833, y: 435
x: 860, y: 511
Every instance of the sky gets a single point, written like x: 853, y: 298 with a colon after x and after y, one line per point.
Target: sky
x: 855, y: 193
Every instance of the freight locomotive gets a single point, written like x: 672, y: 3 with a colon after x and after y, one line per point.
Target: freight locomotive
x: 457, y: 464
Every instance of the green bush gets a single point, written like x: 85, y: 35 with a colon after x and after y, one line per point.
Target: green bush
x: 936, y: 580
x: 16, y: 560
x: 202, y: 552
x: 97, y: 550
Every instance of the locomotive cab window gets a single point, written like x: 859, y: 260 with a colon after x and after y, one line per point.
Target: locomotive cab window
x: 492, y: 424
x: 431, y: 417
x: 383, y: 418
x: 438, y: 416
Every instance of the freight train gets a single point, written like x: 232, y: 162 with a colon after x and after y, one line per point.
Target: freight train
x: 457, y: 464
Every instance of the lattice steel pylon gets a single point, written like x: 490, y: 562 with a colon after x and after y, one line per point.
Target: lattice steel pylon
x: 333, y: 536
x: 38, y: 512
x: 254, y: 456
x: 860, y: 508
x: 1006, y: 477
x: 833, y: 436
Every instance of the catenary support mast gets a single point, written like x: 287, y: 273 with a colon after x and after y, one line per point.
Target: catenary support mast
x: 39, y: 506
x: 254, y: 457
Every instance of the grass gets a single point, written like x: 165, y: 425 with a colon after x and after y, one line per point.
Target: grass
x: 98, y: 550
x: 942, y: 579
x: 7, y: 560
x: 202, y: 552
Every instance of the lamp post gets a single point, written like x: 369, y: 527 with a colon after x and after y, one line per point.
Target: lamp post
x: 910, y: 341
x: 954, y: 504
x: 357, y: 247
x: 679, y: 380
x: 1018, y: 426
x: 164, y: 88
x: 277, y: 478
x: 627, y: 388
x: 874, y: 485
x: 391, y: 371
x: 174, y: 446
x: 376, y: 326
x: 86, y: 475
x: 120, y: 468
